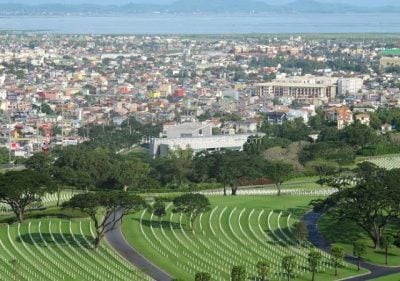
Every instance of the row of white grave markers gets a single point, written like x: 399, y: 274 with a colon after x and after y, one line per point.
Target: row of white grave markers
x: 212, y: 249
x: 48, y: 199
x: 274, y: 192
x: 41, y: 256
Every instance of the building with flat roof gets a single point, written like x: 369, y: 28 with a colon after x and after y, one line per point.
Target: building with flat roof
x: 349, y: 86
x: 303, y: 89
x: 188, y: 130
x: 160, y: 147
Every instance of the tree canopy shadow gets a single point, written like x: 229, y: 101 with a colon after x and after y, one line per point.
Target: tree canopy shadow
x: 46, y: 239
x: 163, y: 224
x: 298, y: 211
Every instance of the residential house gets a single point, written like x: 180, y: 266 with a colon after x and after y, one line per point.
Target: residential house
x: 341, y: 115
x: 276, y: 117
x: 363, y: 118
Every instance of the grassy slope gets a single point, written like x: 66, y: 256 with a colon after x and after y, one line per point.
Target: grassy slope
x: 346, y: 232
x: 296, y: 205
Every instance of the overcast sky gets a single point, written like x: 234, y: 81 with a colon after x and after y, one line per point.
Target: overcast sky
x: 118, y: 2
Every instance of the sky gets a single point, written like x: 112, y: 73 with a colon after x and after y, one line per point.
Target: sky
x: 272, y: 2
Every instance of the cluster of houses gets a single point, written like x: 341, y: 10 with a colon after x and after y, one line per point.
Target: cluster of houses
x: 52, y: 86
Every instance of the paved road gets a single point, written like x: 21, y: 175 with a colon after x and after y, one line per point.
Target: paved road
x: 116, y: 239
x: 311, y: 219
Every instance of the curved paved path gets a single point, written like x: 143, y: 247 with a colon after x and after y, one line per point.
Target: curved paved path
x: 311, y: 219
x: 117, y: 240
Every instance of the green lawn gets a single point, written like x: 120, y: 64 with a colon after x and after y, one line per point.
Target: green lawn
x: 55, y: 249
x: 345, y: 233
x: 393, y: 277
x: 237, y: 230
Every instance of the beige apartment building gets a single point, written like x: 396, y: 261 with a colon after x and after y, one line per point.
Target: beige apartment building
x: 303, y: 89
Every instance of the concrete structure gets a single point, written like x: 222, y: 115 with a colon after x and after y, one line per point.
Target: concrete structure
x: 349, y: 86
x: 187, y: 130
x: 160, y: 147
x: 276, y: 117
x: 303, y: 89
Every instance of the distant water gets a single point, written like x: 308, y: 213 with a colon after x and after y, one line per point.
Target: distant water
x: 207, y: 24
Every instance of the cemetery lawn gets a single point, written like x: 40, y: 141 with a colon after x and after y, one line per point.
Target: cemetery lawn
x: 393, y: 277
x: 58, y: 249
x: 344, y: 233
x: 238, y: 230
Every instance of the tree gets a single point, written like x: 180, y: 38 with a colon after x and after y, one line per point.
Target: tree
x: 337, y: 256
x: 238, y: 273
x: 43, y: 163
x: 40, y: 162
x: 289, y: 265
x: 181, y: 161
x: 314, y: 260
x: 232, y: 168
x: 130, y: 172
x: 106, y: 209
x: 278, y: 172
x: 263, y: 270
x: 300, y: 232
x: 4, y: 156
x: 202, y: 276
x: 387, y: 242
x: 324, y: 169
x: 372, y: 204
x: 19, y: 189
x: 359, y: 250
x: 358, y: 135
x: 159, y: 209
x: 45, y: 108
x: 191, y: 204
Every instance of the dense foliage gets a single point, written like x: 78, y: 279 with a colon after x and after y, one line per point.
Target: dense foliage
x: 372, y: 204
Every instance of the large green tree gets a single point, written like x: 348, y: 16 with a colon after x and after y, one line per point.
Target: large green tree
x: 279, y: 172
x: 19, y: 189
x: 130, y: 172
x: 191, y: 204
x: 106, y: 209
x: 372, y: 204
x: 40, y: 162
x: 159, y: 209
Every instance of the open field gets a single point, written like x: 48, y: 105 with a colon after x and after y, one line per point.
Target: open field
x: 344, y: 233
x: 236, y: 231
x: 59, y: 250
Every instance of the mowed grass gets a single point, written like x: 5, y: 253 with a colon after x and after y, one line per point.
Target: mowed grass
x: 345, y: 232
x: 238, y: 230
x: 392, y: 277
x: 56, y: 249
x: 300, y: 182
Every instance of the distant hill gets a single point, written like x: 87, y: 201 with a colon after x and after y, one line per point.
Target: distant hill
x: 195, y: 6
